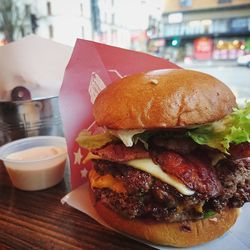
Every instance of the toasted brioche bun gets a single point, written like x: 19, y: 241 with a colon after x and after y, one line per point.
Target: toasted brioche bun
x: 186, y: 234
x: 163, y: 99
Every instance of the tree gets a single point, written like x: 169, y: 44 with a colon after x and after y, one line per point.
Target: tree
x: 12, y: 18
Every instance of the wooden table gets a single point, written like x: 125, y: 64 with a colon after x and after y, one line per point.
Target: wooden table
x: 37, y: 220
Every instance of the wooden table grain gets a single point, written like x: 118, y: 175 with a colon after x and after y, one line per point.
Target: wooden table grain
x: 37, y: 220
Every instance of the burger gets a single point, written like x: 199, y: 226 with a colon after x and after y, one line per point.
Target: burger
x: 171, y: 165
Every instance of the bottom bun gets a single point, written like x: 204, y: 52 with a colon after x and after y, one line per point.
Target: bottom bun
x: 182, y: 234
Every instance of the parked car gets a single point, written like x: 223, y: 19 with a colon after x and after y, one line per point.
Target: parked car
x: 244, y: 60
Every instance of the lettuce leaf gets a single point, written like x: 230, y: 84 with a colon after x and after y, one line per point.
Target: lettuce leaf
x: 234, y: 128
x: 126, y: 135
x: 209, y: 214
x: 86, y: 140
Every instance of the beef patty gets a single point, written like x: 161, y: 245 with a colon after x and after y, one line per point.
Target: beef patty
x: 148, y: 197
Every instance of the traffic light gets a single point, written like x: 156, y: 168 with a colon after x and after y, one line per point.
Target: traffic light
x: 175, y: 42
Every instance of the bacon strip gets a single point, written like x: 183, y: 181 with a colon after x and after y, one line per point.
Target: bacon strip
x: 241, y: 150
x: 193, y: 172
x: 119, y: 152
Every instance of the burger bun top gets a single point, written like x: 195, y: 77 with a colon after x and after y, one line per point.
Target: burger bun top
x: 163, y: 99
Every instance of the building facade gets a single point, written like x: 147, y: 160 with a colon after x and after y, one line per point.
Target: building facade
x: 60, y: 20
x: 63, y: 21
x: 124, y: 23
x: 15, y: 20
x: 115, y: 22
x: 107, y: 25
x: 204, y: 30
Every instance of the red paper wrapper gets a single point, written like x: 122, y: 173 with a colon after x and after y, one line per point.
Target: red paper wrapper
x: 91, y: 68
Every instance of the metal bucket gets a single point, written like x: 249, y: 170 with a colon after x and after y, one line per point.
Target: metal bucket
x: 19, y: 119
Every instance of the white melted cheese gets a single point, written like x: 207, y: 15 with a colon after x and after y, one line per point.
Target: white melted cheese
x: 147, y: 165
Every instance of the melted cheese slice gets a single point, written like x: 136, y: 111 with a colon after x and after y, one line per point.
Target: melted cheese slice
x: 147, y: 165
x: 105, y: 181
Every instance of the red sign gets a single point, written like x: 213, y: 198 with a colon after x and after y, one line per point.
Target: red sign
x: 203, y: 48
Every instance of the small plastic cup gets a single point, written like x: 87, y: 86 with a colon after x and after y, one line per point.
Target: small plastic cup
x: 35, y: 174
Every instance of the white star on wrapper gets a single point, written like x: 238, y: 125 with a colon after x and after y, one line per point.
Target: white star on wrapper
x: 84, y: 172
x: 78, y: 157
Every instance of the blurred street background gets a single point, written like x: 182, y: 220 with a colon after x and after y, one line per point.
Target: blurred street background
x: 212, y: 36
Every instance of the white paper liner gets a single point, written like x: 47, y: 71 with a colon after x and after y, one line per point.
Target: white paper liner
x: 238, y: 238
x: 35, y: 63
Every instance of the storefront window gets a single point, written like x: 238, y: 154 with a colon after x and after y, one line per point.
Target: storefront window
x: 224, y: 1
x: 185, y: 3
x: 220, y: 26
x: 225, y: 49
x: 191, y: 28
x: 207, y: 26
x: 239, y: 25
